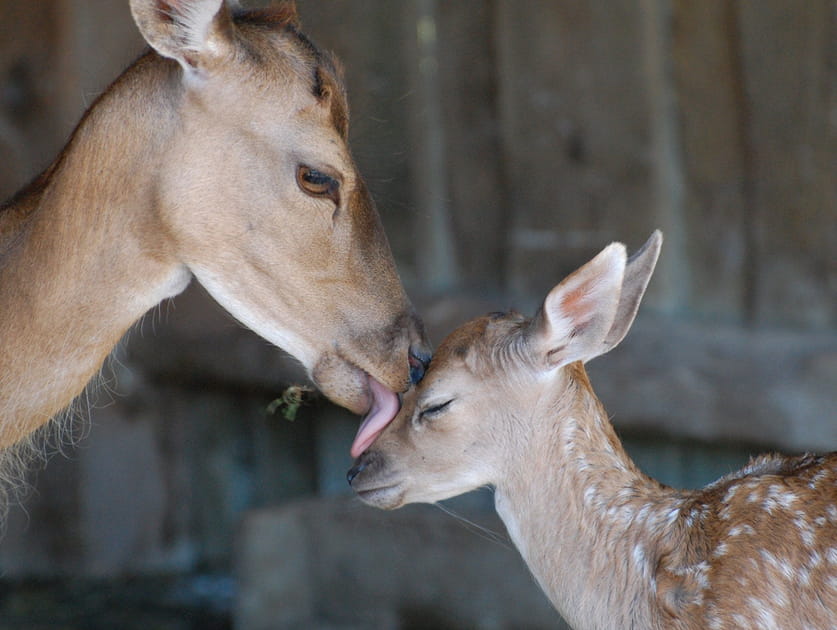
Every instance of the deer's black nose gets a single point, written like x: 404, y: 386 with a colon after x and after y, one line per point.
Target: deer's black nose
x: 419, y: 360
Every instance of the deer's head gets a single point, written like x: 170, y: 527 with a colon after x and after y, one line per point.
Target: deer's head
x: 264, y: 204
x: 493, y: 377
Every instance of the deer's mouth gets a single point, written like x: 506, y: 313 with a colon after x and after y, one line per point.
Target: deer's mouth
x: 352, y: 387
x: 384, y: 406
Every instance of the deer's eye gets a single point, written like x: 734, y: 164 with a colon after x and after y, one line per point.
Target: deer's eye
x: 317, y: 183
x: 434, y: 410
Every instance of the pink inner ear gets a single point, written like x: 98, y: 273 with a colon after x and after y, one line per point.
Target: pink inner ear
x: 572, y: 299
x: 579, y: 311
x: 167, y: 9
x: 578, y: 307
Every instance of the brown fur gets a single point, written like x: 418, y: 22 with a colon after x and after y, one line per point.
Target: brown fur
x: 611, y: 547
x: 187, y: 165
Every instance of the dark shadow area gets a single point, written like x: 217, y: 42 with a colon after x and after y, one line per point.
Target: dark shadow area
x: 181, y: 602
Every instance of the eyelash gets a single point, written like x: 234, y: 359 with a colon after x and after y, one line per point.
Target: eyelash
x: 432, y: 411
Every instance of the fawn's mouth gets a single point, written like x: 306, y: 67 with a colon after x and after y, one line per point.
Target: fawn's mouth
x: 383, y: 497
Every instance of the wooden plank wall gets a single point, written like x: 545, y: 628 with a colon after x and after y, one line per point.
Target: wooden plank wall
x: 56, y: 56
x: 558, y: 126
x: 28, y: 99
x: 506, y: 141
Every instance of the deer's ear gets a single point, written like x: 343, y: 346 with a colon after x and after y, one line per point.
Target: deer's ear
x: 193, y: 32
x: 578, y: 314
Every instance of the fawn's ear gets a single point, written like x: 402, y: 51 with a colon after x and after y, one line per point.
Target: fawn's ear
x: 577, y: 314
x: 193, y: 32
x: 638, y: 272
x: 591, y: 311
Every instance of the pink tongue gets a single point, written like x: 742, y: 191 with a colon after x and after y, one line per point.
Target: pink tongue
x: 385, y: 406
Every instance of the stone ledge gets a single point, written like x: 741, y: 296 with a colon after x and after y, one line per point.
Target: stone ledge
x: 340, y: 564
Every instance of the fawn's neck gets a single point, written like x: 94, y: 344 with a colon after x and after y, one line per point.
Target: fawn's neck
x: 82, y: 255
x: 589, y: 525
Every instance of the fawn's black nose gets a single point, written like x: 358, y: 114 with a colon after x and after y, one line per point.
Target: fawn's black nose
x: 370, y: 462
x: 354, y: 471
x: 419, y: 360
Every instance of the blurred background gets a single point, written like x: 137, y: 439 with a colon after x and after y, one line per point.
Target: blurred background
x: 506, y: 142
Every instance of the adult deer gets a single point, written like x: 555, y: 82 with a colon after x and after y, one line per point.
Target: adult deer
x: 221, y: 154
x: 506, y: 402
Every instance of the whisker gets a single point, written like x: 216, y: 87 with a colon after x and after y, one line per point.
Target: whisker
x: 479, y: 530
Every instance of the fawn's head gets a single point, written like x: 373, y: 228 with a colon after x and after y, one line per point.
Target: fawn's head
x: 262, y: 199
x: 478, y: 397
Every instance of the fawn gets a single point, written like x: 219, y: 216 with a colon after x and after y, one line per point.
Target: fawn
x: 507, y: 403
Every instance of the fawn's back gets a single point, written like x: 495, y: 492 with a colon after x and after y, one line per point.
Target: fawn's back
x: 759, y: 548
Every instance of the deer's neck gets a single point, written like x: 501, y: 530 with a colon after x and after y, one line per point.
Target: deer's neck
x: 82, y: 254
x: 590, y: 526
